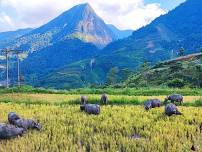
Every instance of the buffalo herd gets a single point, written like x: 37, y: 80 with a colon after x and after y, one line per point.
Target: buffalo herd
x: 170, y: 108
x: 18, y: 126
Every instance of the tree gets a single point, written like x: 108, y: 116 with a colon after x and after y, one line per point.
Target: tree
x: 176, y: 67
x: 181, y: 51
x: 176, y: 83
x: 144, y: 67
x: 125, y: 74
x: 198, y: 74
x: 112, y: 75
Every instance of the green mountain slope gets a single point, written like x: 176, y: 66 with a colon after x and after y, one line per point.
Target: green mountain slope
x: 180, y: 72
x: 53, y: 57
x: 88, y: 72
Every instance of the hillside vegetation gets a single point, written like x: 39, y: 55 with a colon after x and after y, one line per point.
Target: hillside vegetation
x: 180, y: 72
x: 138, y: 91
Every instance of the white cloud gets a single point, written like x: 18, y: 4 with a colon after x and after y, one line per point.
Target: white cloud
x: 124, y: 14
x: 6, y: 20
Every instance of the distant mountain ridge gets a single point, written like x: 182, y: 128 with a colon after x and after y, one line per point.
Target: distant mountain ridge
x: 120, y: 34
x: 9, y: 36
x: 65, y: 55
x: 80, y: 22
x: 158, y: 41
x: 72, y: 36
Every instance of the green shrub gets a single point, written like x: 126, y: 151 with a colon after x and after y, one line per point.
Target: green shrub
x: 176, y: 83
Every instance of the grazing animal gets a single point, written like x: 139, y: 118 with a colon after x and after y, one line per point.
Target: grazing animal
x: 152, y: 103
x: 82, y: 107
x: 83, y: 100
x: 92, y: 109
x: 27, y: 124
x: 10, y: 131
x: 14, y: 119
x: 174, y: 98
x: 104, y: 99
x: 171, y: 109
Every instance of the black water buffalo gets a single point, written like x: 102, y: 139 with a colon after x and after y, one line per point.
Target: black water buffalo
x: 82, y: 107
x: 92, y: 109
x: 171, y: 109
x: 152, y: 103
x: 10, y: 131
x: 14, y: 119
x: 174, y: 98
x: 83, y: 100
x: 104, y: 99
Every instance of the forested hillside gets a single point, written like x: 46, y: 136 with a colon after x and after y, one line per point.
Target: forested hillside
x: 181, y: 72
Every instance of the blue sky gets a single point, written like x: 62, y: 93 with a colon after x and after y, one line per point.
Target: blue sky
x: 125, y: 14
x: 166, y: 4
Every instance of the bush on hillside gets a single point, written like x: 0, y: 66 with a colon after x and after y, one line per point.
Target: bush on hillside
x: 176, y: 83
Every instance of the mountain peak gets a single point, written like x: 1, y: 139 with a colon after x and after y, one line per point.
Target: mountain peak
x: 85, y: 10
x: 86, y: 5
x: 79, y: 22
x: 82, y: 22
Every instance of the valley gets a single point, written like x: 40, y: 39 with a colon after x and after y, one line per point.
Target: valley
x: 82, y: 80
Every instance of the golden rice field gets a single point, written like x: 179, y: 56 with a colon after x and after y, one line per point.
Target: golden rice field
x: 62, y: 98
x: 67, y: 129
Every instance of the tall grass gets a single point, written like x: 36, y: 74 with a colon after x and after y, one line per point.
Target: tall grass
x: 111, y: 91
x: 67, y: 99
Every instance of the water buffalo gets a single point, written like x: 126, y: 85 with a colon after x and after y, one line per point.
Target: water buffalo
x: 10, y: 131
x: 14, y: 119
x: 171, y: 109
x: 104, y: 99
x: 152, y: 103
x: 82, y: 107
x: 174, y: 98
x: 83, y: 100
x: 92, y: 109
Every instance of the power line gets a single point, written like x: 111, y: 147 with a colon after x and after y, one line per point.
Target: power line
x: 17, y: 53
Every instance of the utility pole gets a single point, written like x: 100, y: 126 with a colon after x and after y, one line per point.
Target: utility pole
x: 17, y: 52
x: 6, y: 51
